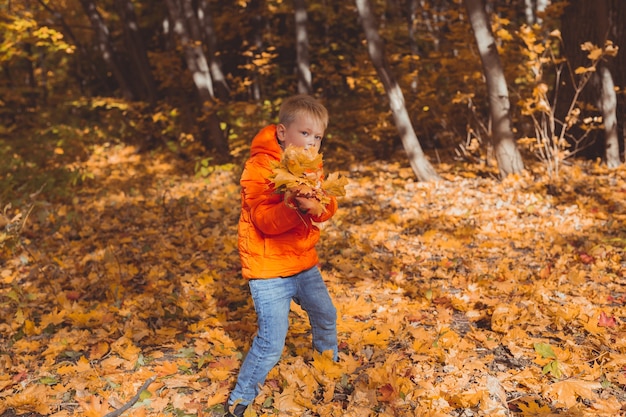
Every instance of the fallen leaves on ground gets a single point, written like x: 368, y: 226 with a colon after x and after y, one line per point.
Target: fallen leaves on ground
x: 465, y: 297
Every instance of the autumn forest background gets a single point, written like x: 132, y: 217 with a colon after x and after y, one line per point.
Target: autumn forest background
x: 478, y: 258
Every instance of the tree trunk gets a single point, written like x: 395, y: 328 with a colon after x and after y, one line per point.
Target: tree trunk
x: 607, y: 103
x: 222, y: 91
x: 419, y: 163
x: 302, y: 48
x: 197, y: 64
x: 106, y: 48
x: 507, y: 154
x: 597, y: 22
x: 533, y: 8
x: 146, y: 88
x: 194, y: 55
x: 85, y: 60
x: 258, y: 23
x: 413, y: 45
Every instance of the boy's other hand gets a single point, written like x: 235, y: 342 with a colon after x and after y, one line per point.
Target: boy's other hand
x: 310, y: 205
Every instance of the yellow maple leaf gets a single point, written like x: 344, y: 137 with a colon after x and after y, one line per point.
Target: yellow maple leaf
x: 324, y: 363
x: 348, y: 363
x: 93, y: 406
x: 301, y: 160
x: 125, y: 348
x: 567, y: 392
x: 287, y: 402
x: 466, y: 399
x: 283, y: 179
x: 300, y: 173
x: 166, y: 368
x: 532, y: 408
x: 83, y: 365
x: 217, y: 394
x: 33, y: 398
x: 98, y: 350
x: 222, y: 369
x: 335, y: 185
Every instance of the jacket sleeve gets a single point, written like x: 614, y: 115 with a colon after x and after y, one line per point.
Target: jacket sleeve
x: 268, y: 211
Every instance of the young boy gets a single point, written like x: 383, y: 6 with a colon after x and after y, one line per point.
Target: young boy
x: 277, y: 240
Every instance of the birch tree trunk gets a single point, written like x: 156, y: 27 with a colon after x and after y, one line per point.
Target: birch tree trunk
x: 532, y: 8
x: 258, y: 24
x: 197, y: 64
x: 507, y: 154
x: 303, y: 67
x: 597, y: 22
x: 411, y: 18
x: 105, y: 47
x: 222, y: 90
x: 419, y: 163
x: 607, y: 103
x: 194, y: 55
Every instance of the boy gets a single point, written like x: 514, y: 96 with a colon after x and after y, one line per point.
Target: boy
x: 277, y: 240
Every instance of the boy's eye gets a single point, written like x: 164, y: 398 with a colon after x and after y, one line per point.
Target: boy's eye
x: 305, y: 133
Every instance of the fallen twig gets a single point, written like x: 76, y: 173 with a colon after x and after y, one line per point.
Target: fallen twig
x: 132, y: 401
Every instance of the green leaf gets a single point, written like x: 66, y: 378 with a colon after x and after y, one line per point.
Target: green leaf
x: 545, y: 350
x: 145, y: 394
x: 553, y: 369
x: 186, y: 353
x: 48, y: 380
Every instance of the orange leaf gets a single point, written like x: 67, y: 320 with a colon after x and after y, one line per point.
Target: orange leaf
x: 166, y: 368
x: 386, y: 393
x: 126, y: 349
x: 98, y: 350
x: 532, y: 408
x: 567, y: 392
x: 606, y: 321
x: 33, y: 398
x: 324, y: 363
x: 93, y: 406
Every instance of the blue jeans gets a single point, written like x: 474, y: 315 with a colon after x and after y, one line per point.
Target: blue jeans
x: 272, y: 300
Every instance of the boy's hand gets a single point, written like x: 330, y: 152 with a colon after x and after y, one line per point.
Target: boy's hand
x: 310, y: 205
x: 305, y: 204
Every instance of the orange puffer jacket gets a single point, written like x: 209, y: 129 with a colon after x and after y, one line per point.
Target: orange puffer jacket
x: 274, y: 239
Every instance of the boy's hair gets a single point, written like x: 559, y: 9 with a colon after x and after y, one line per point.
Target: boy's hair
x: 302, y: 103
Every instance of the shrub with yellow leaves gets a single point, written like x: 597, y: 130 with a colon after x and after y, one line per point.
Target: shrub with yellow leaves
x: 299, y: 173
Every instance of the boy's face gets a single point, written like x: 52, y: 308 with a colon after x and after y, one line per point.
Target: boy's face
x: 305, y: 132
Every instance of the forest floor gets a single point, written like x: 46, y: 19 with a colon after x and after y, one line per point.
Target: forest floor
x: 464, y: 297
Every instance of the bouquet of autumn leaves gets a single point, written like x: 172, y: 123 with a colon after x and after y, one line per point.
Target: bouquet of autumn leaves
x: 299, y: 173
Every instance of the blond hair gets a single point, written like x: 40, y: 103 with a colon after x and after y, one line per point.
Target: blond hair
x: 299, y: 104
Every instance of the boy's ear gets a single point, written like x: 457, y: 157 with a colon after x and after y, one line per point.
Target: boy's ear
x: 280, y: 131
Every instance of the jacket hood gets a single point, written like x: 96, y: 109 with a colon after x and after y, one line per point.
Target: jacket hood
x: 265, y: 142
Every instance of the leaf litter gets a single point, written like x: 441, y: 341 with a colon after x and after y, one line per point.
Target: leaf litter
x: 465, y: 297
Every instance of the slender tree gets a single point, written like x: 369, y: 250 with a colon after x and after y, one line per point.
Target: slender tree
x: 411, y: 17
x: 187, y: 28
x: 534, y: 7
x: 205, y: 18
x: 105, y: 47
x: 375, y: 45
x: 145, y: 89
x: 507, y: 154
x: 84, y: 67
x: 583, y: 22
x: 256, y: 40
x: 302, y: 48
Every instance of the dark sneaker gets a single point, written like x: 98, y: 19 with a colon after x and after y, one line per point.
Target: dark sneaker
x: 237, y: 412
